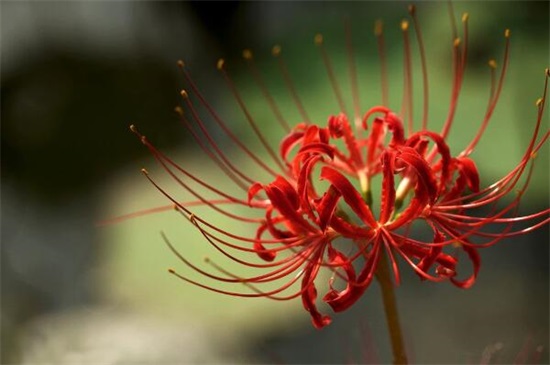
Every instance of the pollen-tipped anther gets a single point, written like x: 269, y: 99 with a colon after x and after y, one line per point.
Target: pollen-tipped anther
x: 465, y: 17
x: 247, y: 54
x: 171, y: 271
x: 181, y: 64
x: 144, y: 171
x: 492, y: 64
x: 276, y: 50
x: 507, y: 33
x: 318, y: 39
x: 547, y: 72
x: 404, y: 25
x: 179, y: 110
x: 456, y: 42
x: 378, y: 27
x: 220, y: 64
x: 539, y: 101
x: 133, y: 128
x: 184, y: 94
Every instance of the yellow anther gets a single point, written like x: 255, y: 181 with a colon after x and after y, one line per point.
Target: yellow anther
x: 171, y: 271
x: 492, y: 64
x: 547, y: 72
x: 507, y: 33
x: 456, y: 42
x: 247, y: 54
x: 179, y: 110
x: 465, y: 17
x: 318, y: 39
x: 276, y: 50
x: 184, y: 95
x: 533, y: 155
x: 220, y: 64
x: 145, y: 172
x: 133, y: 128
x: 538, y: 103
x: 181, y: 64
x: 404, y: 25
x: 378, y: 27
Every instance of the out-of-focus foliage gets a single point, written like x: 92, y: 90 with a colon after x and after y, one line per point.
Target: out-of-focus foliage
x: 75, y: 75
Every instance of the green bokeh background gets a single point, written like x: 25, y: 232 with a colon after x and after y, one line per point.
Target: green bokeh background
x: 70, y: 161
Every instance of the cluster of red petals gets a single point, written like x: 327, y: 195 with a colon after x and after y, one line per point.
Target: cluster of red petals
x: 296, y: 209
x: 316, y: 211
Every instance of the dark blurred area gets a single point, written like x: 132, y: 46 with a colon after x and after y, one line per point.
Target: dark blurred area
x: 75, y: 75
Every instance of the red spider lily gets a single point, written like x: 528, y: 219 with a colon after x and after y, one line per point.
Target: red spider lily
x: 302, y: 227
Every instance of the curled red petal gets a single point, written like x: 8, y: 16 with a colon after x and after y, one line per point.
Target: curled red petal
x: 426, y: 187
x: 442, y: 149
x: 349, y: 230
x: 395, y: 125
x: 473, y: 255
x: 305, y: 188
x: 285, y: 200
x: 432, y: 255
x: 334, y: 297
x: 388, y: 189
x: 335, y: 126
x: 264, y: 254
x: 309, y: 293
x: 351, y: 196
x: 346, y: 298
x: 282, y: 185
x: 288, y: 143
x: 253, y: 191
x: 375, y: 139
x: 318, y: 148
x: 327, y: 206
x: 468, y: 169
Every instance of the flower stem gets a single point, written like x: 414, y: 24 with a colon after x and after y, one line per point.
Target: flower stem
x: 390, y: 309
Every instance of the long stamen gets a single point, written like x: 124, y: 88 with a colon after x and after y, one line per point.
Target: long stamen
x: 379, y: 33
x: 353, y: 76
x: 412, y: 12
x: 163, y: 160
x: 407, y: 104
x: 328, y: 66
x: 219, y: 121
x: 492, y: 66
x: 217, y: 148
x: 277, y: 53
x: 247, y: 55
x: 494, y: 100
x: 459, y: 64
x: 251, y: 122
x: 465, y: 37
x: 219, y: 162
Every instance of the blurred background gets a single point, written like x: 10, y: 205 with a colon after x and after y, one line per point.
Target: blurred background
x: 75, y: 74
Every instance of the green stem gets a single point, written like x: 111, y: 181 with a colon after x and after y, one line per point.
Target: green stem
x: 390, y: 308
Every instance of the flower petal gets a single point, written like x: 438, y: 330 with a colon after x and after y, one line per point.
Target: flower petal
x: 476, y: 263
x: 350, y: 194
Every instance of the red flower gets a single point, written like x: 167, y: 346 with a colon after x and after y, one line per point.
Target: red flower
x: 303, y: 226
